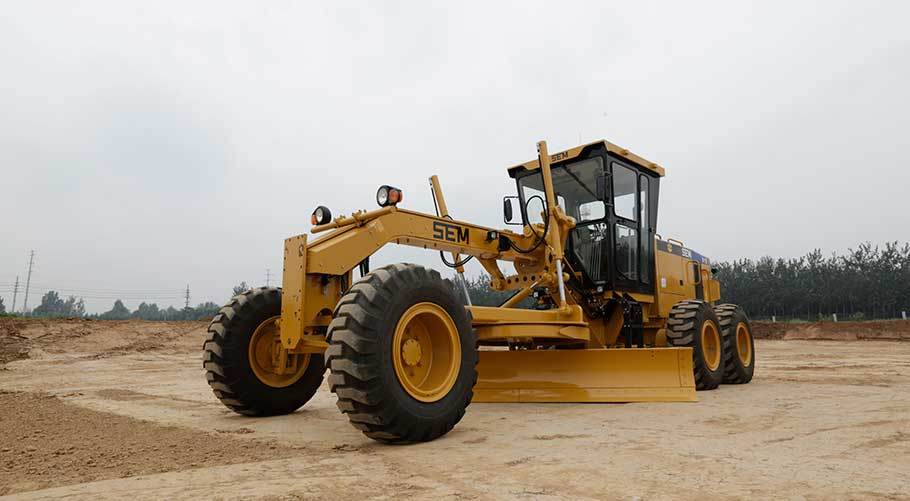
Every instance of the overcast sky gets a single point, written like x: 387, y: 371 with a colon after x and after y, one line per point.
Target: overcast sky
x: 147, y: 146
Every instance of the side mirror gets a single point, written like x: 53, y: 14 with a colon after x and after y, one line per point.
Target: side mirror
x: 508, y: 210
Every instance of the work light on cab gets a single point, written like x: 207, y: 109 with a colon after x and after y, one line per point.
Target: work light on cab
x: 322, y: 215
x: 388, y: 195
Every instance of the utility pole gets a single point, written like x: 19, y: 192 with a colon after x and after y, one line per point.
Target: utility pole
x: 15, y: 293
x: 187, y: 296
x: 28, y: 282
x: 268, y: 277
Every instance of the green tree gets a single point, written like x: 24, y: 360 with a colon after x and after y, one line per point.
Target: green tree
x: 205, y: 311
x: 240, y: 289
x: 52, y: 305
x: 170, y: 313
x: 117, y: 312
x: 2, y: 307
x: 483, y: 295
x: 147, y: 311
x: 73, y: 307
x: 866, y: 282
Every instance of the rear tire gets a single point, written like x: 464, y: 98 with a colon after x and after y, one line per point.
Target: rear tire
x: 227, y: 360
x: 739, y: 345
x: 694, y: 324
x: 368, y: 355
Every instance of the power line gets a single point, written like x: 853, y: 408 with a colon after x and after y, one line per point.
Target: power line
x: 268, y: 277
x: 28, y: 281
x: 94, y: 289
x: 176, y: 297
x: 187, y: 295
x: 80, y: 292
x: 176, y: 293
x: 97, y: 293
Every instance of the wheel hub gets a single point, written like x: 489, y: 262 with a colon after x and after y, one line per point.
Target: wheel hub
x: 743, y: 344
x: 710, y: 345
x: 411, y: 352
x: 272, y: 364
x: 426, y: 352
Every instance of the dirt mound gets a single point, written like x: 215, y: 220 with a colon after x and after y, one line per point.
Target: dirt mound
x: 33, y: 337
x: 46, y: 442
x: 885, y: 330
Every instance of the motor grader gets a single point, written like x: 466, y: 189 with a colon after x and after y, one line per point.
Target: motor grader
x: 602, y: 309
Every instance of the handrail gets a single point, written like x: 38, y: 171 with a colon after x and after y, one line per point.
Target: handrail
x: 357, y: 217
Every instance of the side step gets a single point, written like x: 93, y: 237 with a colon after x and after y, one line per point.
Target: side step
x: 596, y: 375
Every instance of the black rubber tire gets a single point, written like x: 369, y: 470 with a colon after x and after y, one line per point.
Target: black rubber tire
x: 359, y: 356
x: 684, y: 329
x: 735, y: 372
x: 227, y: 365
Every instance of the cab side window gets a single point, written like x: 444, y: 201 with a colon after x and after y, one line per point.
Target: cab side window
x: 646, y: 240
x: 625, y: 192
x: 627, y: 251
x: 625, y: 207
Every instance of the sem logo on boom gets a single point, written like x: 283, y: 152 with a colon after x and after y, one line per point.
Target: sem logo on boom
x: 450, y: 232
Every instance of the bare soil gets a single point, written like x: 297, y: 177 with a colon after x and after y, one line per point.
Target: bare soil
x: 112, y: 410
x: 883, y: 330
x: 48, y: 442
x: 38, y: 338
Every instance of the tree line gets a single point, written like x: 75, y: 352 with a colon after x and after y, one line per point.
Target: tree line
x: 151, y: 311
x: 869, y: 282
x: 54, y: 306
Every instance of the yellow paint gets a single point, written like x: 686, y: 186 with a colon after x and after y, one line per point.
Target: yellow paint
x: 597, y: 375
x: 443, y: 211
x: 710, y: 344
x: 744, y: 344
x: 270, y: 361
x: 317, y: 272
x: 292, y: 293
x: 426, y: 352
x: 612, y: 148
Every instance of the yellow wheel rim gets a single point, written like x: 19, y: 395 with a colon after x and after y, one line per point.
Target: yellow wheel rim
x: 271, y: 363
x: 426, y: 352
x: 743, y: 344
x: 710, y: 345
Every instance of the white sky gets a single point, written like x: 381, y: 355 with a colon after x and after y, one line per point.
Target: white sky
x: 145, y: 146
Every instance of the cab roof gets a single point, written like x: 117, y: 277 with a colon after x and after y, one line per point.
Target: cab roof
x: 574, y: 152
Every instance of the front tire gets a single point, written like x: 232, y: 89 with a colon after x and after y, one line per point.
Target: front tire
x: 238, y: 356
x: 694, y: 324
x: 402, y: 355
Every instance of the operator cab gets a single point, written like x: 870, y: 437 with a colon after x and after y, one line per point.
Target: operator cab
x: 612, y: 195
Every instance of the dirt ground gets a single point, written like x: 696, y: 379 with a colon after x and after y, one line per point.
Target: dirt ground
x: 877, y: 330
x: 112, y: 410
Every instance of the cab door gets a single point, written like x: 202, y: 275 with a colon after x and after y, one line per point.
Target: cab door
x: 632, y: 229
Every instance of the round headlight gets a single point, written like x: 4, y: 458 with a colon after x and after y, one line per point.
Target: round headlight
x: 382, y: 196
x: 322, y: 215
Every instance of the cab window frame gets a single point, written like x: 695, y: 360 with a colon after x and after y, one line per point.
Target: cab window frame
x: 643, y: 276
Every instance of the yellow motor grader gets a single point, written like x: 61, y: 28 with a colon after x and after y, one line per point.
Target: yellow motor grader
x: 602, y: 309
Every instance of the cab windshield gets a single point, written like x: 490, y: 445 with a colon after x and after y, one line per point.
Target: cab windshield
x: 575, y: 185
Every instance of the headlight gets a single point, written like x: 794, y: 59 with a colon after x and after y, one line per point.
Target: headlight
x: 388, y: 195
x: 322, y: 215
